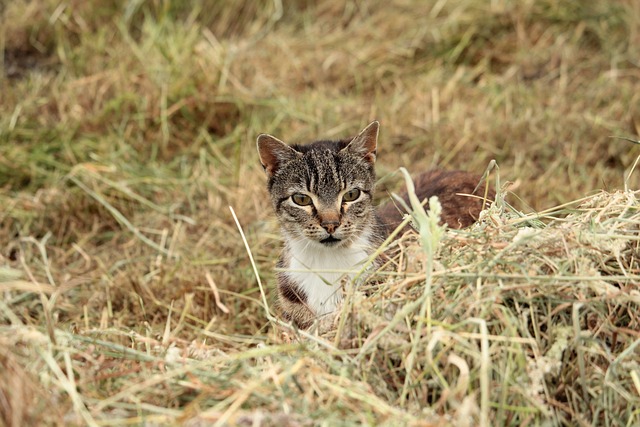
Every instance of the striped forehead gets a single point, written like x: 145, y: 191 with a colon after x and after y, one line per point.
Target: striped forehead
x: 324, y: 177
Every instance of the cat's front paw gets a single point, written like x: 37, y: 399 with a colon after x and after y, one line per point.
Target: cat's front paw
x: 326, y: 323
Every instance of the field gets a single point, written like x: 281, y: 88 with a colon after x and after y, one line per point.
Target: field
x: 131, y: 295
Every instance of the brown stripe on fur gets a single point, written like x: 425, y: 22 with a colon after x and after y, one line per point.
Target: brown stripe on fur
x: 290, y: 291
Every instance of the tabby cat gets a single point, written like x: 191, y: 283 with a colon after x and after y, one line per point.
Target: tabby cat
x: 322, y: 194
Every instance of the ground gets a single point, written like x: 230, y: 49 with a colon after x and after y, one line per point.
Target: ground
x: 127, y: 134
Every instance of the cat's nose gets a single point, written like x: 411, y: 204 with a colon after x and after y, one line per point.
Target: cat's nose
x: 330, y: 225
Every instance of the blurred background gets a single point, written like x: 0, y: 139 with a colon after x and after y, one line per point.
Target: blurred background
x: 539, y: 86
x: 127, y: 129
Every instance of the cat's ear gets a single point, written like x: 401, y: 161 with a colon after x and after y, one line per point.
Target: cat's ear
x: 274, y: 153
x: 366, y: 143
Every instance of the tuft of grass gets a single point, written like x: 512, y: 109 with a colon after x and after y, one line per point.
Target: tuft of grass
x: 127, y: 130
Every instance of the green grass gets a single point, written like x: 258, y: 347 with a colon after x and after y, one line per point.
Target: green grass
x: 127, y: 129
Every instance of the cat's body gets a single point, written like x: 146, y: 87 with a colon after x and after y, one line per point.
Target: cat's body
x: 322, y: 194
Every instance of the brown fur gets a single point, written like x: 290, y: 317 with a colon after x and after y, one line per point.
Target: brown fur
x: 460, y: 193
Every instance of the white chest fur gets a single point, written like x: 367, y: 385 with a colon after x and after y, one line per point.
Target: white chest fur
x: 318, y: 270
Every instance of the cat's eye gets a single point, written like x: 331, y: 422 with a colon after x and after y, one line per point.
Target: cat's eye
x: 351, y: 195
x: 301, y: 199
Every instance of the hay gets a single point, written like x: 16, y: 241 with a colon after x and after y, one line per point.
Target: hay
x: 525, y: 325
x: 128, y: 296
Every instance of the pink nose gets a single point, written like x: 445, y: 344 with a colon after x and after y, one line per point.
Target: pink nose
x: 330, y: 226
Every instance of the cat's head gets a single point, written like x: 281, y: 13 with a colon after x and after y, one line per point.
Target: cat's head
x: 322, y: 193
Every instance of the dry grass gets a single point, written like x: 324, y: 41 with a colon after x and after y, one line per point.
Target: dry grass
x: 127, y: 129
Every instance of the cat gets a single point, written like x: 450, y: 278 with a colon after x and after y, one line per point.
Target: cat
x: 322, y: 194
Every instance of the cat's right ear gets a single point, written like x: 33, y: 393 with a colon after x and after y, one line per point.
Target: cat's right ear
x: 366, y: 143
x: 274, y: 153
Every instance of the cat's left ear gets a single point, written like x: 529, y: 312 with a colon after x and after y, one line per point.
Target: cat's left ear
x: 274, y: 153
x: 366, y: 143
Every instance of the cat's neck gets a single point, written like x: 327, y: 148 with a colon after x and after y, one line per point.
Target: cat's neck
x: 320, y: 271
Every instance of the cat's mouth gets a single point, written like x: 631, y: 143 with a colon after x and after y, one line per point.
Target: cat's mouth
x: 329, y: 241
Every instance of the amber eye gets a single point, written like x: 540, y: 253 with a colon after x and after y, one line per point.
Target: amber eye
x: 351, y: 195
x: 301, y: 199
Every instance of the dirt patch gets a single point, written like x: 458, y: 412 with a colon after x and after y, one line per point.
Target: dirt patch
x: 21, y: 61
